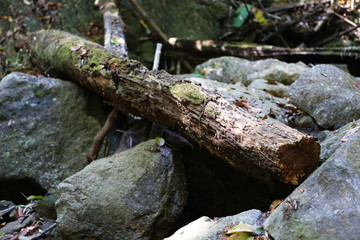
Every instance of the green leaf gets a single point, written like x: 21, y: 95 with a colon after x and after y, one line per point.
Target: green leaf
x: 245, y: 228
x: 242, y: 227
x: 259, y: 16
x: 198, y: 74
x: 115, y: 41
x: 33, y: 197
x: 241, y: 15
x: 160, y: 141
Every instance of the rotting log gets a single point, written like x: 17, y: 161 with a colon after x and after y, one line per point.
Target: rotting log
x: 272, y: 153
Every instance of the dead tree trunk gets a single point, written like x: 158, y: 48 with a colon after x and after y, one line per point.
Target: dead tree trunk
x: 272, y: 153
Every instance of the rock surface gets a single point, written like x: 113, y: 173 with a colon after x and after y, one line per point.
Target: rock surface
x: 259, y: 87
x: 233, y: 70
x: 45, y: 129
x: 327, y: 204
x: 258, y: 102
x: 225, y: 69
x: 335, y: 139
x: 206, y: 228
x: 274, y: 70
x: 328, y: 94
x: 136, y: 194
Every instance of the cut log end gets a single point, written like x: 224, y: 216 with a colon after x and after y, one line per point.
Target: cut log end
x: 298, y: 160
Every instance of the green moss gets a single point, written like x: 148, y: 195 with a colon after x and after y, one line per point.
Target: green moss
x: 113, y: 60
x: 38, y: 90
x: 140, y: 88
x: 120, y: 90
x: 97, y: 60
x: 213, y: 111
x: 39, y: 93
x: 188, y: 92
x: 6, y: 154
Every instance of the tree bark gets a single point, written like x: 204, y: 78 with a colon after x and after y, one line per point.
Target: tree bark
x: 272, y: 153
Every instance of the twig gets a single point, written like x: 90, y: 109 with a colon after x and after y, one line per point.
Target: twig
x: 272, y: 23
x: 151, y: 23
x: 285, y: 26
x: 329, y: 39
x: 114, y: 39
x: 44, y: 232
x: 345, y: 19
x: 95, y: 148
x: 294, y: 5
x: 7, y: 210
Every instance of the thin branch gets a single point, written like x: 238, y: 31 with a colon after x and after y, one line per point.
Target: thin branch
x: 114, y: 39
x: 7, y: 210
x: 44, y: 232
x: 329, y: 39
x: 151, y: 23
x: 99, y: 138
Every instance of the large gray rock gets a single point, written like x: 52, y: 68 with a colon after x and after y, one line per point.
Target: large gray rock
x: 206, y: 228
x: 274, y: 70
x: 274, y: 88
x: 328, y: 94
x: 335, y: 139
x: 136, y: 194
x: 258, y: 102
x: 327, y: 204
x: 259, y: 87
x: 233, y: 70
x: 45, y: 130
x: 225, y: 69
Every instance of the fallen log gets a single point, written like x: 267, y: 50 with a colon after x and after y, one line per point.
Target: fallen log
x: 254, y: 51
x: 205, y: 49
x: 272, y: 153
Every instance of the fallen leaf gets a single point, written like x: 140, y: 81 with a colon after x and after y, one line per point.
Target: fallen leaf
x: 83, y: 52
x: 77, y: 47
x: 19, y: 212
x: 242, y: 103
x: 160, y: 141
x: 245, y: 104
x: 33, y: 197
x: 242, y: 227
x: 74, y: 48
x: 26, y: 2
x: 274, y: 205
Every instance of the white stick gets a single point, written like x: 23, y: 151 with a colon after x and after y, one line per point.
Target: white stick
x: 157, y: 56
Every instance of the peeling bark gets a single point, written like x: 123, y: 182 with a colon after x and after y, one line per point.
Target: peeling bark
x: 272, y: 153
